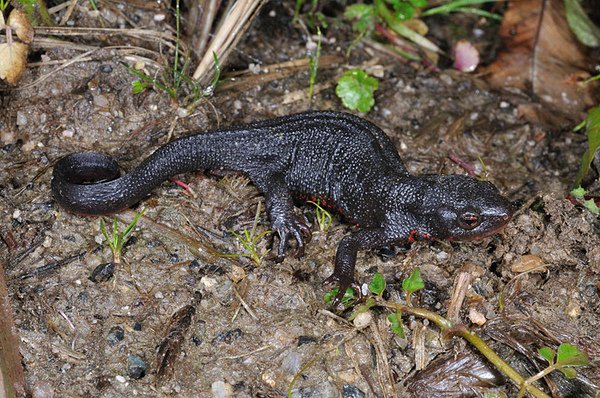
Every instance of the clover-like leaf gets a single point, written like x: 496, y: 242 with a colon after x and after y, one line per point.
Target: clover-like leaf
x: 569, y: 355
x: 377, y: 285
x: 363, y: 15
x: 414, y: 282
x: 547, y: 353
x: 355, y: 88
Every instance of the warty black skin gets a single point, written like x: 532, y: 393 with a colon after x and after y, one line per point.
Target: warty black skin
x: 341, y: 158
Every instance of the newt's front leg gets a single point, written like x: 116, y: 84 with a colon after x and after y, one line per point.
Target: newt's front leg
x: 281, y: 212
x: 345, y: 257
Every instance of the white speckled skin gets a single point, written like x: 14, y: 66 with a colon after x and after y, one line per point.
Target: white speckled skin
x: 339, y: 157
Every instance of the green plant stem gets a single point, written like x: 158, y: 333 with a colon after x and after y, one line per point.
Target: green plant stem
x: 397, y: 26
x: 460, y: 330
x: 46, y: 18
x: 453, y: 6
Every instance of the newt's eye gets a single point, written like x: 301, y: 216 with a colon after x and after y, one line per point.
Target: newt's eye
x: 469, y: 220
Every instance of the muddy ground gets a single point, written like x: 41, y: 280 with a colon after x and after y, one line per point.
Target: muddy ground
x: 254, y: 328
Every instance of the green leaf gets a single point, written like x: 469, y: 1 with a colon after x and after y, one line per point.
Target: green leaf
x: 569, y: 373
x: 418, y: 3
x: 138, y: 86
x: 399, y: 27
x: 578, y: 192
x: 547, y: 353
x: 364, y: 16
x: 583, y: 27
x: 592, y: 124
x: 396, y: 324
x: 569, y: 355
x: 402, y: 9
x: 590, y: 204
x: 355, y: 88
x: 349, y: 296
x: 413, y: 282
x: 377, y: 285
x: 363, y: 308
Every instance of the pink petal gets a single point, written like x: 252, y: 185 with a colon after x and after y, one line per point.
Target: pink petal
x: 466, y: 56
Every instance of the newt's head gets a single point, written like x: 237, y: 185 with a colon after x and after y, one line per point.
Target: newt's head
x: 463, y: 208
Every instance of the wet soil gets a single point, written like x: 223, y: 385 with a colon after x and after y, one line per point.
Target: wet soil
x: 246, y: 330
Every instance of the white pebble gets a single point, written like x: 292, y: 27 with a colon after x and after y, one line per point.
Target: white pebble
x: 220, y: 389
x: 120, y: 379
x: 21, y: 119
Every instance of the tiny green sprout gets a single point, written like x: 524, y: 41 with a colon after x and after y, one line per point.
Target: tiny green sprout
x: 405, y: 9
x: 324, y: 218
x: 363, y: 15
x: 249, y: 240
x: 564, y: 359
x: 369, y: 303
x: 413, y: 283
x: 313, y: 62
x: 139, y: 86
x: 395, y: 320
x: 592, y: 125
x: 347, y: 299
x: 377, y: 285
x: 118, y: 239
x: 4, y: 4
x: 578, y: 193
x: 213, y: 84
x: 591, y: 205
x: 356, y: 88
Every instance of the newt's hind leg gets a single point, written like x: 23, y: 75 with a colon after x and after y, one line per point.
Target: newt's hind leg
x: 281, y: 212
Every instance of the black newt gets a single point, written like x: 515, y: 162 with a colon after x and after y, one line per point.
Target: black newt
x: 337, y: 156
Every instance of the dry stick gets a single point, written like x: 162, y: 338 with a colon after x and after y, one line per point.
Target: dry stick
x: 231, y: 28
x: 12, y: 383
x: 69, y: 12
x: 206, y: 23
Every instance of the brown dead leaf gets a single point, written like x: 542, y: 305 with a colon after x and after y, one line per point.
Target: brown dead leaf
x: 18, y: 21
x: 543, y: 56
x: 13, y: 60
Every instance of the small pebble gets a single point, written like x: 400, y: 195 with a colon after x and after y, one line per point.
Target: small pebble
x: 16, y: 214
x: 351, y: 391
x: 528, y: 262
x: 106, y: 68
x: 42, y: 389
x: 136, y: 367
x: 220, y: 389
x: 476, y: 317
x: 159, y: 295
x: 115, y: 335
x: 21, y: 119
x: 68, y: 133
x: 159, y: 17
x: 363, y: 320
x: 305, y: 340
x: 120, y: 379
x: 101, y: 101
x: 102, y: 272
